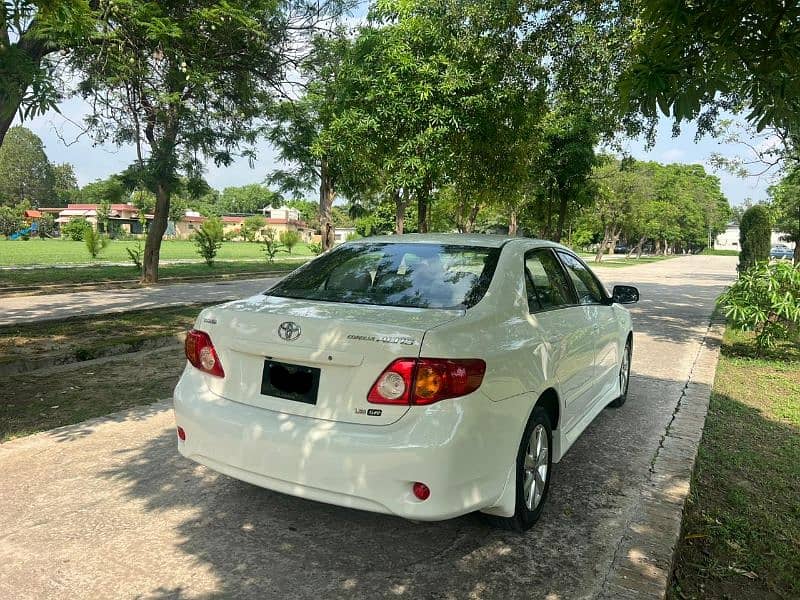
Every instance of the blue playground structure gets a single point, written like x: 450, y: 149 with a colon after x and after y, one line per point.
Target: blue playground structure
x: 32, y: 229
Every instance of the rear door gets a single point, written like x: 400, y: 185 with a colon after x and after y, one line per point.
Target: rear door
x: 566, y: 328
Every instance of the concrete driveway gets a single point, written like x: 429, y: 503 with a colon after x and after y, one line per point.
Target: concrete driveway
x: 109, y: 509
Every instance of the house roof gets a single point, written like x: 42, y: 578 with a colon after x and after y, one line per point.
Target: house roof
x: 32, y: 214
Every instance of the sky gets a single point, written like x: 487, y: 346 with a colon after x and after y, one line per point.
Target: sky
x: 63, y: 143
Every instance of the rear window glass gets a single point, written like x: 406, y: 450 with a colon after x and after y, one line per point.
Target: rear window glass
x: 412, y: 275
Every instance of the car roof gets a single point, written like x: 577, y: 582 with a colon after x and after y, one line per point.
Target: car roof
x: 455, y: 239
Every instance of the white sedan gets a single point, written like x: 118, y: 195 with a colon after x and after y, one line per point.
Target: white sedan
x: 425, y: 376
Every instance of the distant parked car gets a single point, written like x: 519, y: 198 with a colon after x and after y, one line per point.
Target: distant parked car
x: 621, y: 248
x: 781, y: 252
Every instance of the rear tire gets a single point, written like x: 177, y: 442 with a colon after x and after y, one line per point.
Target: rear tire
x: 624, y: 377
x: 534, y: 466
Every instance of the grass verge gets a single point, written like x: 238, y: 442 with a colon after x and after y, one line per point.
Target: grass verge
x: 616, y: 263
x: 741, y: 528
x: 56, y: 276
x: 37, y: 402
x: 713, y: 252
x: 86, y: 337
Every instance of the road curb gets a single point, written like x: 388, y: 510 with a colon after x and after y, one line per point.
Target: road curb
x: 642, y: 565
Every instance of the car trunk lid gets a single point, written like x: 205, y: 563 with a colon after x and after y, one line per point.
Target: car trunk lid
x: 338, y: 348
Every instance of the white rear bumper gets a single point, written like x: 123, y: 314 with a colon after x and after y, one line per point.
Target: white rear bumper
x: 368, y: 467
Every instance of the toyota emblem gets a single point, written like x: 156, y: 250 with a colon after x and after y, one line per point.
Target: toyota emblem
x: 289, y: 331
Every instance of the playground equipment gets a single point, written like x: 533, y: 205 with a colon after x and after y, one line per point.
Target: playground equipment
x: 31, y: 229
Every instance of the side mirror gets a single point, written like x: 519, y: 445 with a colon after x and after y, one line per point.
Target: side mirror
x: 625, y: 294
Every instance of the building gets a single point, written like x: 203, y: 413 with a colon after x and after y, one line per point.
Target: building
x: 121, y: 217
x: 278, y: 219
x: 729, y: 239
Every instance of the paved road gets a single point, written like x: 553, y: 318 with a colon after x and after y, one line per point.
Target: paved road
x: 109, y: 509
x: 20, y: 309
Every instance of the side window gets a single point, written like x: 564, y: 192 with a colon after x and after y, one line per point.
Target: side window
x: 545, y: 282
x: 586, y: 285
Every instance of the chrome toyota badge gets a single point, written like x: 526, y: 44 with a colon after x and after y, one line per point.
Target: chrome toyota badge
x: 289, y: 331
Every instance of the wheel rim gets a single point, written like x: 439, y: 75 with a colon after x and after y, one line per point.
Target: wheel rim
x: 624, y: 371
x: 537, y: 463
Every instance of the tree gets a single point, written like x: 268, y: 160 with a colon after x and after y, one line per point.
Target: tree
x: 208, y: 239
x: 289, y: 239
x: 695, y: 58
x: 186, y: 80
x: 10, y: 220
x: 76, y: 229
x: 785, y: 198
x: 271, y: 244
x: 25, y: 172
x: 30, y: 32
x: 251, y: 226
x: 248, y: 199
x: 111, y: 190
x: 65, y: 185
x: 95, y: 241
x: 755, y: 232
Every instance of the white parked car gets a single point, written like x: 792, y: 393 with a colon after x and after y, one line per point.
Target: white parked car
x: 425, y: 376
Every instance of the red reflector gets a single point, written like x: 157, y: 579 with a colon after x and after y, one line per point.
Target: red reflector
x: 201, y: 353
x: 421, y: 491
x: 422, y: 381
x: 181, y: 434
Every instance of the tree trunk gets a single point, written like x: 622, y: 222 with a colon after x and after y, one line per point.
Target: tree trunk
x: 469, y: 225
x: 562, y: 217
x: 152, y: 245
x: 5, y: 123
x: 797, y: 253
x: 400, y: 201
x: 512, y: 222
x: 326, y: 196
x: 422, y: 211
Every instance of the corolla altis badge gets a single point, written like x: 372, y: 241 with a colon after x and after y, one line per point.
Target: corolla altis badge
x: 289, y: 331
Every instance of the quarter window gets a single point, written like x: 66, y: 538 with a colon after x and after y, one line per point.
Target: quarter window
x: 545, y: 282
x: 586, y: 286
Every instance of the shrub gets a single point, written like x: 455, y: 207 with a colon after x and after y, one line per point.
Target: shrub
x: 765, y: 300
x: 271, y: 244
x: 316, y: 249
x: 95, y: 241
x: 353, y: 235
x: 755, y: 231
x: 10, y: 220
x: 208, y: 239
x: 76, y: 229
x: 290, y: 239
x: 135, y: 255
x: 251, y: 226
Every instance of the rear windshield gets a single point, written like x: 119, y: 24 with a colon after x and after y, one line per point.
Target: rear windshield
x: 412, y: 275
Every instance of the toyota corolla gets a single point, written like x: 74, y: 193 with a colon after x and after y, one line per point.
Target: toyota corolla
x: 425, y: 376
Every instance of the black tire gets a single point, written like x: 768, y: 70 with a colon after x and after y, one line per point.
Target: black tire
x: 619, y: 401
x: 524, y: 518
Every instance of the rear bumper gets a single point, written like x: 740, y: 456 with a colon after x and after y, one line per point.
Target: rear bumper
x: 367, y: 467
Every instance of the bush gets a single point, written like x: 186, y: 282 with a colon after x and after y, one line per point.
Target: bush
x: 765, y: 300
x: 251, y: 226
x: 353, y: 235
x: 135, y: 255
x: 208, y: 239
x: 271, y: 244
x: 755, y: 231
x: 316, y: 249
x: 95, y: 241
x: 76, y: 229
x: 290, y: 239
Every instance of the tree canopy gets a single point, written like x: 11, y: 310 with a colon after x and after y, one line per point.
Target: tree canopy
x: 26, y: 174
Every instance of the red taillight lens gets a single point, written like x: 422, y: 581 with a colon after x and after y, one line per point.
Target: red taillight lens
x: 200, y: 352
x: 181, y: 434
x: 422, y: 381
x: 421, y: 491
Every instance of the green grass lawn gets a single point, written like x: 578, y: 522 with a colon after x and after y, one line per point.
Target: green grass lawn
x: 102, y: 274
x: 616, y: 263
x: 52, y: 252
x: 741, y: 528
x: 712, y: 252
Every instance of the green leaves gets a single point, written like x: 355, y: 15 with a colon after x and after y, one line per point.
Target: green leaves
x: 766, y: 300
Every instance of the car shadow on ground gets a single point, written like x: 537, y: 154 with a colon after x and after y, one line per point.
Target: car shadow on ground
x: 256, y: 543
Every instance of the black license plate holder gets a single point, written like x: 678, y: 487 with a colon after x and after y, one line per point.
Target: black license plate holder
x: 290, y: 382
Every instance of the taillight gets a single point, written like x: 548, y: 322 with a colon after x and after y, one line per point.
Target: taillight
x: 201, y: 353
x: 421, y: 381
